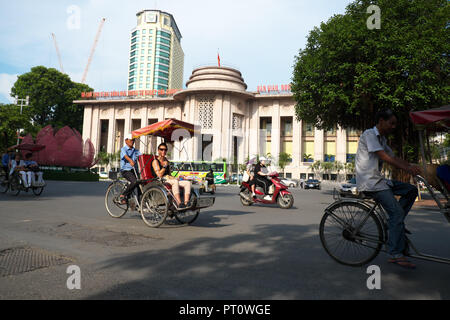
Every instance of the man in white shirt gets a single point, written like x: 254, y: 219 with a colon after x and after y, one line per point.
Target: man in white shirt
x: 372, y: 152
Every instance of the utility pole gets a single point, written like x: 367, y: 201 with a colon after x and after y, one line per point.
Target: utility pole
x: 23, y: 102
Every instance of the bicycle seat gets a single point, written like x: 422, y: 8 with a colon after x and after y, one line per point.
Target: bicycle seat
x: 365, y: 195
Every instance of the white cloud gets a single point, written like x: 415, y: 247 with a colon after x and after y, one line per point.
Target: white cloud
x: 6, y: 83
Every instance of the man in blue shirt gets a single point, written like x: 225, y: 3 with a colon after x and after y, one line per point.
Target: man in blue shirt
x: 6, y: 158
x: 128, y: 159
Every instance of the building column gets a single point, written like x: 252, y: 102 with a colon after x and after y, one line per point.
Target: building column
x: 318, y: 145
x: 227, y: 141
x: 218, y: 127
x: 87, y: 123
x: 276, y: 131
x: 95, y: 129
x: 254, y: 130
x: 296, y: 143
x: 341, y: 145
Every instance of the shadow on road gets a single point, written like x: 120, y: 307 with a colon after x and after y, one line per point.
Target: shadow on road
x: 273, y: 262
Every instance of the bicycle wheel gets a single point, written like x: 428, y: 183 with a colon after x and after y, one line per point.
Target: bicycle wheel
x: 154, y: 207
x: 112, y: 202
x: 188, y: 216
x: 37, y: 191
x: 340, y: 239
x: 14, y: 185
x: 3, y: 184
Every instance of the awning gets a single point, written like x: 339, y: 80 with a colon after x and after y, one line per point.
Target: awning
x: 164, y: 129
x: 438, y: 117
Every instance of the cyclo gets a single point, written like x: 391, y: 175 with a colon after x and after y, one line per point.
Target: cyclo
x: 353, y: 231
x: 14, y: 183
x: 154, y: 199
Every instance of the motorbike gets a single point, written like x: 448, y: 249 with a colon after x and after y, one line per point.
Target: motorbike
x: 205, y: 187
x: 281, y: 195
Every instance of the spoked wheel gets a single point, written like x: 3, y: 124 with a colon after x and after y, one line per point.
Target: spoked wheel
x: 285, y: 201
x: 154, y: 207
x: 188, y: 216
x: 112, y: 201
x: 244, y: 201
x: 14, y: 185
x: 3, y: 184
x: 338, y: 237
x: 37, y: 191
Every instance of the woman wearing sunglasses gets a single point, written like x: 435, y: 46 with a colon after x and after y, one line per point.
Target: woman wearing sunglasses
x: 161, y: 168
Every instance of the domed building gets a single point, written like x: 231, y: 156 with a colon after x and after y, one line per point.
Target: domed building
x: 233, y: 123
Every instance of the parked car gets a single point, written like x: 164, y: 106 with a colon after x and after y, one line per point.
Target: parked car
x: 103, y: 175
x: 234, y: 178
x: 289, y: 182
x: 312, y: 184
x: 348, y: 188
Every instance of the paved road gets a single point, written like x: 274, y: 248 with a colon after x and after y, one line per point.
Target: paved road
x: 230, y: 252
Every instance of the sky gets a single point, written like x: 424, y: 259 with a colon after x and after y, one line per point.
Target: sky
x: 260, y: 38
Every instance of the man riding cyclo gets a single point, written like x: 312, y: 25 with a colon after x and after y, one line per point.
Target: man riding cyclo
x: 7, y: 156
x: 161, y: 169
x: 18, y: 166
x: 372, y: 152
x: 32, y: 170
x: 210, y: 180
x: 128, y: 161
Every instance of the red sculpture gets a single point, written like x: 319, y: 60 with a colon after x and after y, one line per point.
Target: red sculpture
x: 63, y: 148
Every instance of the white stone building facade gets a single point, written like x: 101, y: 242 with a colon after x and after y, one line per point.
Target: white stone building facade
x: 233, y: 123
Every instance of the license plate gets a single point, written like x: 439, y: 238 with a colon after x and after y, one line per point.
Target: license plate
x: 205, y: 202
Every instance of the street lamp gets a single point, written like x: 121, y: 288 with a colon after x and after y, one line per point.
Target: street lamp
x: 23, y: 102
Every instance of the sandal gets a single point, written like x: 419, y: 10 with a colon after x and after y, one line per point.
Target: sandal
x: 402, y: 262
x: 122, y: 199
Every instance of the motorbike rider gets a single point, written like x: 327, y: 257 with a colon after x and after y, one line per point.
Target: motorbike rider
x: 210, y: 180
x: 251, y: 177
x: 261, y: 179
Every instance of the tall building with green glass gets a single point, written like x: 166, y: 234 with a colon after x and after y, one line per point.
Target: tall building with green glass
x: 156, y: 58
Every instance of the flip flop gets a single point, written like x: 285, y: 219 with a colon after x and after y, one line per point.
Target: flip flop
x: 402, y: 262
x: 122, y: 200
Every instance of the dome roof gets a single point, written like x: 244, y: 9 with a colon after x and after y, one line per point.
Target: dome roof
x: 216, y: 77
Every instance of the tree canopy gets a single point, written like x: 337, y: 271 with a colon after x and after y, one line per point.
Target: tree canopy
x: 346, y: 72
x: 51, y: 97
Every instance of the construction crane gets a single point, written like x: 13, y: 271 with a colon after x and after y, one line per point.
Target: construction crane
x: 93, y: 50
x: 57, y: 52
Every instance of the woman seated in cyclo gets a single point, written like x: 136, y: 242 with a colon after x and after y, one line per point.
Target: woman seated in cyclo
x: 161, y: 169
x: 18, y: 165
x: 33, y: 171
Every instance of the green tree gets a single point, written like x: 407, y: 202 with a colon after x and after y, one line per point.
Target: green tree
x: 317, y: 167
x: 51, y: 97
x: 307, y: 157
x: 283, y: 160
x: 10, y: 121
x: 338, y: 167
x: 346, y: 72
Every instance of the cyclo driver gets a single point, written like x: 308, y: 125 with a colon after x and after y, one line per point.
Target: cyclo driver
x: 210, y: 180
x: 128, y: 158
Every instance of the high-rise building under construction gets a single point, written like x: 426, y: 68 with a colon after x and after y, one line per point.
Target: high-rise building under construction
x: 156, y: 57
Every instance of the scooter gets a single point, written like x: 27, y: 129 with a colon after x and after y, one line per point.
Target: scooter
x: 281, y: 195
x: 206, y: 187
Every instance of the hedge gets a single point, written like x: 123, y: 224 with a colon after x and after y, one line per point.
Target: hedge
x: 70, y: 176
